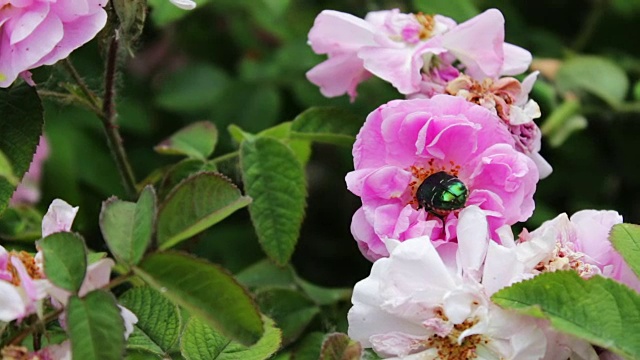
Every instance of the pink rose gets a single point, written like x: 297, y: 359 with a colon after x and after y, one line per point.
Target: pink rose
x: 402, y: 48
x: 404, y: 142
x: 40, y: 32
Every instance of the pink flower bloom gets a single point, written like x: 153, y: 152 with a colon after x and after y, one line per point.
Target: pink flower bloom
x: 40, y: 32
x: 419, y: 304
x: 404, y: 142
x: 58, y: 218
x: 580, y: 243
x: 509, y: 99
x: 401, y: 48
x: 28, y: 191
x: 22, y: 287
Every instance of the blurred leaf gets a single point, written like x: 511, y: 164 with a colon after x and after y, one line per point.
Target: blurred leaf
x: 309, y: 347
x: 20, y: 128
x: 6, y: 170
x: 196, y: 204
x: 596, y: 75
x: 206, y: 291
x: 588, y: 309
x: 338, y: 346
x: 291, y: 311
x: 158, y: 326
x: 327, y: 124
x: 369, y: 354
x: 627, y: 8
x: 201, y: 342
x: 274, y: 178
x: 21, y: 224
x: 95, y: 327
x: 197, y: 140
x: 128, y: 227
x: 322, y: 295
x: 625, y: 238
x: 238, y: 134
x: 636, y: 91
x: 65, y: 260
x: 571, y: 125
x: 458, y: 10
x: 192, y: 88
x: 564, y: 120
x: 267, y: 274
x: 251, y: 106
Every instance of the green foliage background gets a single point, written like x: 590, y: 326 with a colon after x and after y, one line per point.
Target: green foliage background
x: 243, y: 62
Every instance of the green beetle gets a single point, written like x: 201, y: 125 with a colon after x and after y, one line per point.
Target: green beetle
x: 441, y: 193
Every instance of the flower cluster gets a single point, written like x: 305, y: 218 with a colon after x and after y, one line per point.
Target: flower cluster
x: 423, y: 56
x: 25, y: 290
x: 442, y: 175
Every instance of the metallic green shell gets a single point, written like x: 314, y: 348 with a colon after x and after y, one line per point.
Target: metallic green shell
x: 441, y: 193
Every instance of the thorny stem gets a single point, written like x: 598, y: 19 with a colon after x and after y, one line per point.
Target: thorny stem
x: 107, y: 114
x: 93, y: 99
x: 24, y: 333
x: 109, y: 120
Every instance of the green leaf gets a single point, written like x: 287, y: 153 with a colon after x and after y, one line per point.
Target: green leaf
x: 326, y: 124
x: 266, y: 274
x: 95, y: 327
x: 563, y: 121
x: 192, y: 88
x: 6, y: 170
x: 291, y: 311
x: 206, y: 291
x: 128, y: 227
x: 309, y: 347
x: 180, y: 171
x: 338, y: 346
x: 196, y: 204
x: 163, y: 12
x: 21, y: 224
x: 458, y: 10
x: 626, y: 239
x: 599, y: 310
x: 158, y: 324
x: 596, y: 75
x: 65, y: 260
x: 274, y: 178
x: 197, y: 140
x: 322, y: 295
x: 20, y: 129
x: 201, y: 342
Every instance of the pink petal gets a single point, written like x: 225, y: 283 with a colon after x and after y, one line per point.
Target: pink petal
x: 58, y: 218
x: 516, y: 60
x: 337, y: 32
x: 338, y: 75
x: 12, y: 305
x: 478, y: 44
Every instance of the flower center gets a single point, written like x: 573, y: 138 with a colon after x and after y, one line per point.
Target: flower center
x: 13, y: 352
x: 565, y: 258
x: 428, y: 24
x: 448, y: 346
x: 29, y: 263
x: 442, y: 182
